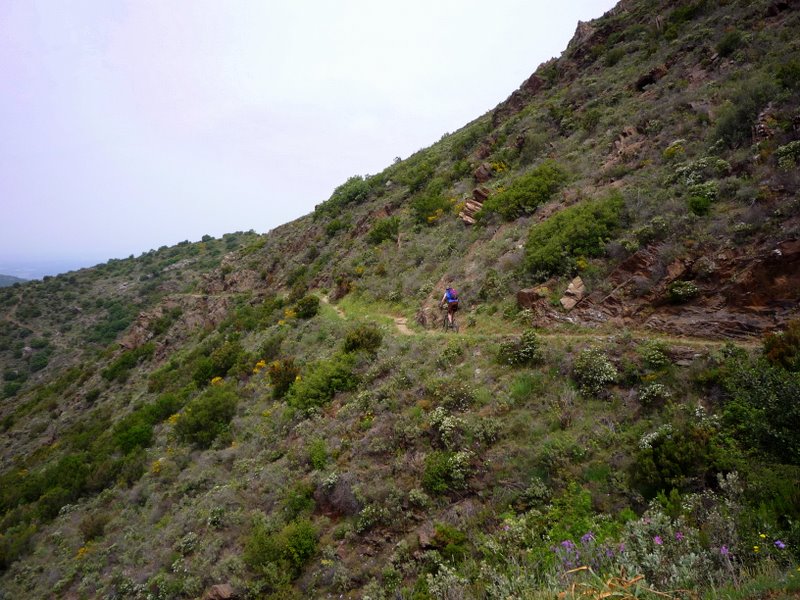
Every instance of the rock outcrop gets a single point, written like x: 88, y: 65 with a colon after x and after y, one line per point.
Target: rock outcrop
x: 473, y: 205
x: 574, y: 294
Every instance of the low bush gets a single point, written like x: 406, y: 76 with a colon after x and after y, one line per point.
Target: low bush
x: 679, y: 291
x: 761, y: 408
x: 282, y: 375
x: 353, y: 191
x: 730, y: 42
x: 307, y: 307
x: 582, y: 230
x: 428, y: 209
x: 219, y: 361
x: 685, y: 457
x: 527, y: 192
x: 384, y: 229
x: 282, y: 552
x: 736, y: 117
x: 120, y: 369
x: 593, y: 372
x: 363, y: 337
x: 136, y: 429
x: 446, y: 471
x: 93, y: 526
x: 525, y: 351
x: 322, y: 381
x: 318, y: 454
x: 783, y: 348
x: 207, y: 416
x: 450, y: 542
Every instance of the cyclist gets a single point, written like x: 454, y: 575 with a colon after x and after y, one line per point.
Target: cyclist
x: 450, y: 298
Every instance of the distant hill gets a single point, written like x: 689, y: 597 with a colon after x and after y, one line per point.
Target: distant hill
x: 7, y: 280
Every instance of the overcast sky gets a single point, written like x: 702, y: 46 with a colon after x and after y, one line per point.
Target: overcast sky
x: 126, y: 125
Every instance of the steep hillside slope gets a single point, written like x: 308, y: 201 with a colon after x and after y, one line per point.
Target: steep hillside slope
x: 282, y: 416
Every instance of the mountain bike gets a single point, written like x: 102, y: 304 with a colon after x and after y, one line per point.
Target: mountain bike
x: 446, y: 324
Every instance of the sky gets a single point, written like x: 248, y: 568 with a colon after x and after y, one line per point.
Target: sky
x: 126, y: 125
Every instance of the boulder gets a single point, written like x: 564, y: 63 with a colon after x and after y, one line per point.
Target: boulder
x: 528, y: 297
x: 568, y: 303
x: 576, y: 288
x: 574, y: 294
x: 483, y: 173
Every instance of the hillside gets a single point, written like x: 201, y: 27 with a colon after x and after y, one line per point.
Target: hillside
x: 282, y: 416
x: 7, y: 280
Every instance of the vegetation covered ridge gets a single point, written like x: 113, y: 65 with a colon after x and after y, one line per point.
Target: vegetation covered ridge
x: 245, y: 417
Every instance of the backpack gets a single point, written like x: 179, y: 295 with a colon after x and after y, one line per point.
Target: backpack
x: 452, y: 295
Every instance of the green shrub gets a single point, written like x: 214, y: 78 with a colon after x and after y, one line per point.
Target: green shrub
x: 654, y: 354
x: 299, y: 500
x: 353, y: 191
x: 730, y: 42
x: 453, y: 394
x: 761, y: 407
x: 783, y: 347
x: 335, y: 226
x: 686, y: 457
x: 10, y: 388
x: 363, y: 337
x: 736, y: 117
x: 701, y: 196
x: 577, y: 231
x: 307, y: 307
x: 284, y: 551
x: 136, y: 429
x: 699, y: 205
x: 788, y: 74
x: 525, y: 351
x: 282, y: 375
x: 384, y: 229
x: 117, y: 318
x: 527, y: 192
x: 219, y: 361
x: 93, y: 526
x: 321, y: 383
x: 652, y: 394
x: 417, y: 171
x: 207, y: 416
x: 318, y: 454
x: 428, y: 209
x: 788, y: 156
x: 133, y: 432
x: 446, y: 471
x: 450, y: 542
x: 271, y: 347
x: 14, y: 543
x: 593, y: 372
x: 680, y: 291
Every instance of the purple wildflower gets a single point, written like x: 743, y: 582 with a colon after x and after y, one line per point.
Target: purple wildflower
x: 658, y: 540
x: 678, y: 536
x: 587, y: 537
x: 622, y: 547
x: 724, y: 551
x: 779, y: 545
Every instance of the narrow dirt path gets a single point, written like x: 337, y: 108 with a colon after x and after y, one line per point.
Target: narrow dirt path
x: 335, y: 308
x: 402, y: 325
